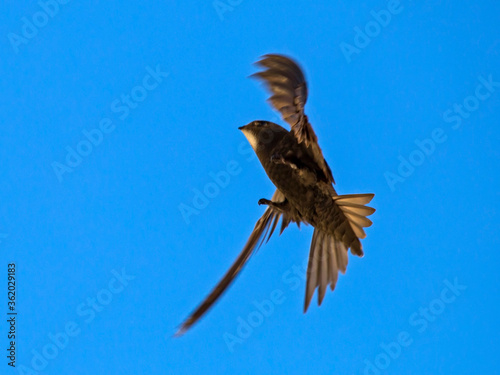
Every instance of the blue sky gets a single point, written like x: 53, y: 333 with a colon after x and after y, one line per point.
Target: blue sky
x: 115, y: 117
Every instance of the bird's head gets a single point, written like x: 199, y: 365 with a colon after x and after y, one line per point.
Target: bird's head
x: 263, y: 135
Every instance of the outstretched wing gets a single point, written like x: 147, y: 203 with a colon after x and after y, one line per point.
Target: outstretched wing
x: 264, y: 227
x: 284, y: 78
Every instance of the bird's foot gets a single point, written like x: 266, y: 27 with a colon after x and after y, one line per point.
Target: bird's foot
x: 280, y: 206
x: 262, y: 201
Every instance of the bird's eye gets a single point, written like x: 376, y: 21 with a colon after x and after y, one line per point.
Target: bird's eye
x: 266, y: 136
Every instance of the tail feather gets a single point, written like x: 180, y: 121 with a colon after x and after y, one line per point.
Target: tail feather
x: 354, y: 209
x: 354, y: 199
x: 328, y: 253
x: 327, y: 257
x: 342, y: 257
x: 335, y: 263
x: 323, y: 268
x: 312, y: 267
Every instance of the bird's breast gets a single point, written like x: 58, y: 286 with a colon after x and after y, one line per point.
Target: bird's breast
x: 299, y: 190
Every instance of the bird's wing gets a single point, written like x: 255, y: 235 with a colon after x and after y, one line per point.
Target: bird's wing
x: 264, y: 227
x: 284, y: 78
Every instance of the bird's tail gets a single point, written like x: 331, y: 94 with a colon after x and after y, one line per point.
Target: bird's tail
x: 326, y: 257
x: 354, y: 209
x: 328, y: 253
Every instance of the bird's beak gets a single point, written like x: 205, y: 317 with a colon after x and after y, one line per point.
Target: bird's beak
x: 245, y: 126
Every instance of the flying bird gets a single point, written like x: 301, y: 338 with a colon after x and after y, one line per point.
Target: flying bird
x: 304, y: 192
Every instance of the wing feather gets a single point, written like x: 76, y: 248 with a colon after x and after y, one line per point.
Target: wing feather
x: 266, y: 224
x: 286, y: 81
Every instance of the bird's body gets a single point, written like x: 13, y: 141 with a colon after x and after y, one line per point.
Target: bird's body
x: 296, y: 175
x: 295, y: 164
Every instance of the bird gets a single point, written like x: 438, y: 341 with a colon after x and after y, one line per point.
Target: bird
x: 294, y: 162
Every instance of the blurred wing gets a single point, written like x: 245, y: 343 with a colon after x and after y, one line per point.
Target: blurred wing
x: 284, y: 78
x: 265, y: 226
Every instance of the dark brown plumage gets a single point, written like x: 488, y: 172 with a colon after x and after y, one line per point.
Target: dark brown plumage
x: 295, y: 164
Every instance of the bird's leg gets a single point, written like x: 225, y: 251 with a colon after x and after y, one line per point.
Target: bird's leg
x: 279, y: 159
x: 280, y: 206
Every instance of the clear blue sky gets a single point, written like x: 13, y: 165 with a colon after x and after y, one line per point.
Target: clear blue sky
x: 116, y: 116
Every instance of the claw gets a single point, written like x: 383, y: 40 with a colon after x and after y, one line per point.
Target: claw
x: 280, y: 206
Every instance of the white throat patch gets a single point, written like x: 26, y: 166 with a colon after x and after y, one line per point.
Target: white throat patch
x: 252, y: 139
